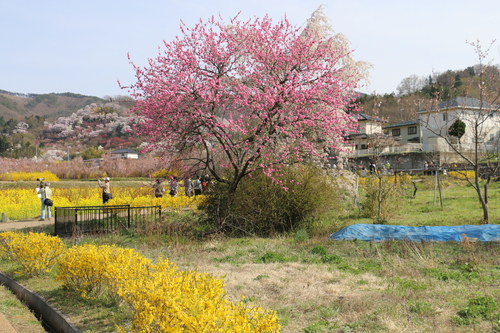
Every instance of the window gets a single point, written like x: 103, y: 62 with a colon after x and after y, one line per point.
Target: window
x: 445, y: 117
x: 363, y: 146
x: 396, y: 132
x: 412, y: 130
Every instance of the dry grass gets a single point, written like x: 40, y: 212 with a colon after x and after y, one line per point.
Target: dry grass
x: 378, y: 287
x: 17, y: 314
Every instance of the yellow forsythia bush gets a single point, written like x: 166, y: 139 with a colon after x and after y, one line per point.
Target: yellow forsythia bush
x: 93, y: 269
x: 24, y: 203
x: 168, y: 300
x: 37, y: 253
x: 391, y: 179
x: 463, y: 175
x: 163, y: 298
x: 17, y: 176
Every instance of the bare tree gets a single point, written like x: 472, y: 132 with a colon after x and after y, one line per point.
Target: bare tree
x: 380, y: 190
x: 410, y: 85
x: 480, y: 118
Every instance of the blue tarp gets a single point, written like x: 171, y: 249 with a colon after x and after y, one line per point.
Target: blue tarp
x: 378, y: 232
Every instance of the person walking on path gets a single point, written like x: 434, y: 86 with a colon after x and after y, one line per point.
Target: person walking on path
x: 106, y: 193
x: 158, y: 189
x: 45, y: 192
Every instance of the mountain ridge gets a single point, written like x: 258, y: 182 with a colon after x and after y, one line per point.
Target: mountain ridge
x: 19, y: 105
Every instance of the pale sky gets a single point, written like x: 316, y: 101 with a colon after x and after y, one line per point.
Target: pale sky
x: 81, y: 46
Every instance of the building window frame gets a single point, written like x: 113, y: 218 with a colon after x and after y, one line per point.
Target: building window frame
x: 412, y: 130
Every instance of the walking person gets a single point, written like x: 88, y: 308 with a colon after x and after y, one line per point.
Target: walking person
x: 373, y: 168
x: 45, y: 192
x: 106, y: 193
x: 158, y: 187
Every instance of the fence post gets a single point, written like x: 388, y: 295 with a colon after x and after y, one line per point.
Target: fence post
x: 128, y: 217
x: 55, y: 221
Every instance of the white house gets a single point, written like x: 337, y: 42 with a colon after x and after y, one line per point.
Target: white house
x: 369, y: 138
x: 368, y: 128
x: 124, y: 153
x: 481, y: 123
x: 407, y: 132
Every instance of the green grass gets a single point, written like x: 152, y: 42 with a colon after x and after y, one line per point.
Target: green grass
x: 319, y: 285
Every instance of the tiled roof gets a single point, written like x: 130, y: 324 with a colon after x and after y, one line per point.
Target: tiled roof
x: 124, y: 151
x: 462, y: 102
x: 404, y: 123
x: 365, y: 117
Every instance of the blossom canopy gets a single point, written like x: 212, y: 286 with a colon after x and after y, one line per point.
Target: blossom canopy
x: 245, y: 96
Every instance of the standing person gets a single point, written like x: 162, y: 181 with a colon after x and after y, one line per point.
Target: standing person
x: 106, y: 193
x: 373, y: 168
x: 363, y: 171
x: 45, y: 192
x: 158, y: 189
x: 197, y: 186
x: 174, y: 186
x: 188, y: 186
x: 204, y: 182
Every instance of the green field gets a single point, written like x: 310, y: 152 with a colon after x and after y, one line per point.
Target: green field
x: 319, y: 285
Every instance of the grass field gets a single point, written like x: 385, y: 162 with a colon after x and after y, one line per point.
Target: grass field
x: 319, y: 285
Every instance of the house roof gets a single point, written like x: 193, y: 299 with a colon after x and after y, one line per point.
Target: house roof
x: 124, y: 151
x: 404, y: 123
x: 365, y: 117
x: 366, y: 136
x: 462, y: 102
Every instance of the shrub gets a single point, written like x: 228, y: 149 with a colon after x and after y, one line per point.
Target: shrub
x: 462, y: 175
x: 168, y: 300
x: 265, y: 208
x: 37, y: 253
x: 382, y: 196
x: 163, y: 299
x: 93, y: 270
x: 19, y: 175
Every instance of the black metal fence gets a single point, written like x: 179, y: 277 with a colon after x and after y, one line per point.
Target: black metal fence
x: 70, y: 221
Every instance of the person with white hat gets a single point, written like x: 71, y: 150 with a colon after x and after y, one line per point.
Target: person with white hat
x: 106, y: 193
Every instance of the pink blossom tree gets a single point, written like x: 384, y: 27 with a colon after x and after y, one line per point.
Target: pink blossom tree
x: 246, y: 96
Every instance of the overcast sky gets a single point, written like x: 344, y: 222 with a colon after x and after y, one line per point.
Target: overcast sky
x: 81, y: 46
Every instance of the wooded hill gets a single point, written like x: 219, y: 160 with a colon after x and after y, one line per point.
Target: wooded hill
x: 415, y: 93
x: 18, y: 106
x: 67, y: 123
x: 411, y: 95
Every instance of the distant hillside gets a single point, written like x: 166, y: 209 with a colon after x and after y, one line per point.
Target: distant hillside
x: 415, y: 93
x: 49, y: 106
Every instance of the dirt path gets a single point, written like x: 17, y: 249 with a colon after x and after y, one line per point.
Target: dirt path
x: 5, y: 326
x: 13, y: 225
